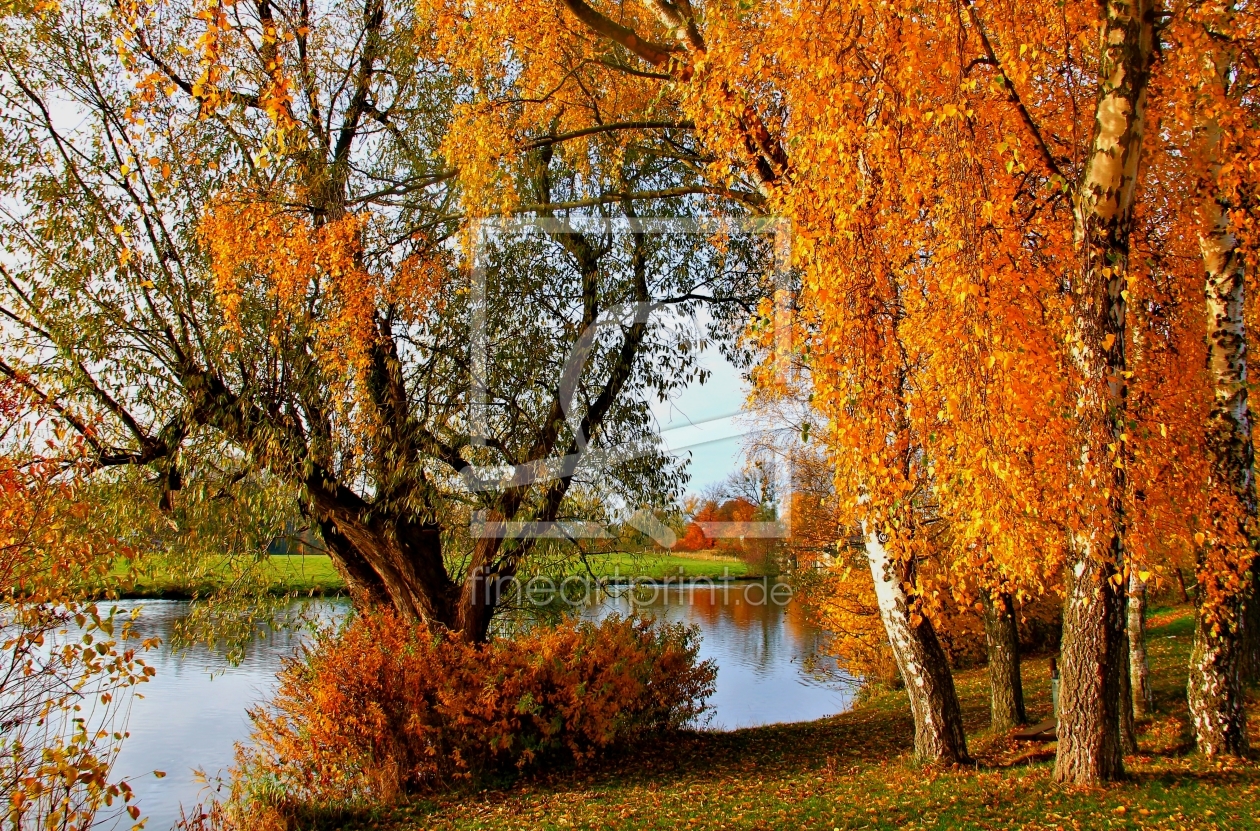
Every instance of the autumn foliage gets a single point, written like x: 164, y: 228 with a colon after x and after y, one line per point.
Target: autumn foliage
x: 315, y: 274
x: 383, y: 708
x: 1005, y: 220
x: 67, y: 664
x: 731, y: 510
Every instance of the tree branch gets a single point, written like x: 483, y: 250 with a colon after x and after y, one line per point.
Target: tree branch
x: 751, y: 199
x: 657, y: 54
x: 992, y: 59
x: 608, y: 128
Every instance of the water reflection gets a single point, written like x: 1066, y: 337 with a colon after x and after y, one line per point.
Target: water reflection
x: 195, y: 710
x: 192, y: 713
x: 769, y: 669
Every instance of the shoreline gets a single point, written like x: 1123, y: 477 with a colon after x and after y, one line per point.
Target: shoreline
x: 188, y: 594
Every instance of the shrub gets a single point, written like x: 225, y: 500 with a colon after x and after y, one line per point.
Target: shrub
x: 382, y: 707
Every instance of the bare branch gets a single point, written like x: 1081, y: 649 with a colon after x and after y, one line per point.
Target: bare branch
x: 609, y: 128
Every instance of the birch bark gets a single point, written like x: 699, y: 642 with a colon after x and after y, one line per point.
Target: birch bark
x: 938, y: 727
x: 1094, y: 616
x: 1215, y: 687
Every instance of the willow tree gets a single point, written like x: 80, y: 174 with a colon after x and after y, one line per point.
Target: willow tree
x: 232, y: 238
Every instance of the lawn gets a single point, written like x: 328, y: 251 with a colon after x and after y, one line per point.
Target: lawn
x: 659, y: 566
x: 314, y: 574
x: 287, y: 574
x: 855, y: 771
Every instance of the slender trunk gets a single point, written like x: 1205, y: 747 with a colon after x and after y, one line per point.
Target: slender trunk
x: 1251, y: 628
x: 1001, y: 630
x: 1215, y: 688
x: 1094, y: 660
x: 1139, y: 667
x: 1128, y: 724
x: 938, y: 727
x: 1181, y: 583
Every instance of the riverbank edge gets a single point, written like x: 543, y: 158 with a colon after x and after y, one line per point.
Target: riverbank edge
x: 176, y: 593
x: 856, y: 770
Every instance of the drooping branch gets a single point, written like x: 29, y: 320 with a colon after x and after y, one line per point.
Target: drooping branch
x: 992, y: 59
x: 754, y: 200
x: 608, y: 128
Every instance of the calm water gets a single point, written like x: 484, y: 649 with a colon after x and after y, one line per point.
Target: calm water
x: 194, y: 710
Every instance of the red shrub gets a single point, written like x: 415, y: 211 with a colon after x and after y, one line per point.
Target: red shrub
x: 384, y: 707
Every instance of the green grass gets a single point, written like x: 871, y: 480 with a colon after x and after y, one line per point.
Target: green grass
x: 658, y: 566
x: 314, y: 574
x: 297, y: 574
x: 855, y: 771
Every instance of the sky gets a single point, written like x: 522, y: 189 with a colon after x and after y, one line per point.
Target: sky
x: 701, y: 421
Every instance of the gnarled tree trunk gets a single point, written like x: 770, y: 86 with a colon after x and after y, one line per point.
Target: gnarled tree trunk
x: 1006, y: 688
x: 938, y: 727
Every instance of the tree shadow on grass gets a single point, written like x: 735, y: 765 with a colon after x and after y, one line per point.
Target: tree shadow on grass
x: 842, y: 741
x: 863, y: 747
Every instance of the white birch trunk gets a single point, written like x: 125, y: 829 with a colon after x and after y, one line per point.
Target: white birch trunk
x: 938, y: 728
x: 1094, y: 621
x: 1215, y: 689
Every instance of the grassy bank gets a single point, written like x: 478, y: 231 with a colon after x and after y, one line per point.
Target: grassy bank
x: 653, y: 566
x: 314, y: 574
x: 855, y: 771
x: 290, y: 574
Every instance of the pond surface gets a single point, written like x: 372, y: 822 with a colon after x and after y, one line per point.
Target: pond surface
x: 195, y: 709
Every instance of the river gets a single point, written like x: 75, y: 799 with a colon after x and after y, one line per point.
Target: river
x: 194, y: 711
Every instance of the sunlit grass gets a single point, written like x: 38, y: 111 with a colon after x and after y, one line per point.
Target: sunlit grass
x: 314, y: 574
x: 157, y: 577
x: 854, y: 770
x: 658, y: 566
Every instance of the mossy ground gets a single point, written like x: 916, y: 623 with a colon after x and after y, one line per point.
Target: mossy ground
x: 855, y: 770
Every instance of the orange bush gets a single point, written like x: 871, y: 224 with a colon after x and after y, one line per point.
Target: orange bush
x: 383, y: 707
